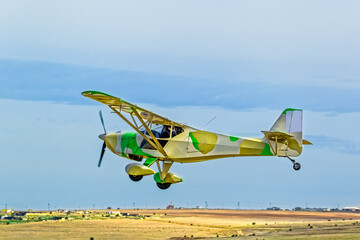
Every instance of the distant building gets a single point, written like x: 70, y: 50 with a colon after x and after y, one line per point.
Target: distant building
x: 317, y: 209
x: 351, y: 209
x: 112, y: 212
x: 170, y: 207
x: 35, y: 214
x: 275, y: 209
x: 20, y: 213
x: 7, y: 211
x: 62, y: 210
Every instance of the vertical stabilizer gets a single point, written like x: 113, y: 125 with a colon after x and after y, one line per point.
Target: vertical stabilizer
x: 290, y: 122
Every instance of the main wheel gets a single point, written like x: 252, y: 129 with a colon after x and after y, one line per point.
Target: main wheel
x: 135, y: 157
x: 163, y: 186
x: 135, y: 178
x: 296, y: 166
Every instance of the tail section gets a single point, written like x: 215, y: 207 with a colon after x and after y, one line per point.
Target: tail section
x: 285, y: 136
x: 291, y: 122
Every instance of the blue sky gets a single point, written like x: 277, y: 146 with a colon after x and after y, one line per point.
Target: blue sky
x: 241, y: 62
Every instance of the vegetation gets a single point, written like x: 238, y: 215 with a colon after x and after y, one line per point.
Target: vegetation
x: 182, y: 224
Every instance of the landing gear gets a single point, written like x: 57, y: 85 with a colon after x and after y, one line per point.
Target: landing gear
x: 135, y: 157
x: 135, y: 178
x: 161, y: 175
x: 163, y: 186
x: 296, y: 165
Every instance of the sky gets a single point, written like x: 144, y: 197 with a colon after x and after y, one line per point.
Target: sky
x: 243, y: 62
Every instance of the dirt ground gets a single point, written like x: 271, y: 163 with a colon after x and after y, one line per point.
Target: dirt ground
x: 202, y: 223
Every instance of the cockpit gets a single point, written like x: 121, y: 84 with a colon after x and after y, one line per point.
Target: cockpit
x: 163, y: 134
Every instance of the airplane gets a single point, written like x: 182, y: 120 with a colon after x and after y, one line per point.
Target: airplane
x: 157, y: 140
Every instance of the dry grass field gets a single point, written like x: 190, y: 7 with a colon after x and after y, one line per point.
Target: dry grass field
x: 196, y: 224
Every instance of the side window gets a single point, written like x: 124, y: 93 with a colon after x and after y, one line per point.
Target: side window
x: 177, y: 131
x: 165, y: 132
x: 162, y: 132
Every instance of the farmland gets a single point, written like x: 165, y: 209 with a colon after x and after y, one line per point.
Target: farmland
x: 184, y: 224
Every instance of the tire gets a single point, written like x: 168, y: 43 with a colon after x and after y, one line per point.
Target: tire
x: 297, y: 166
x: 135, y: 178
x: 163, y: 186
x: 135, y: 157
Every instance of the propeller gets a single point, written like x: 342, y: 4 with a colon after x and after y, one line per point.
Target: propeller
x: 102, y: 121
x: 102, y: 153
x: 102, y: 137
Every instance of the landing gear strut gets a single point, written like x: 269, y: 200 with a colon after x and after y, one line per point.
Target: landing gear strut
x: 296, y: 165
x: 162, y: 173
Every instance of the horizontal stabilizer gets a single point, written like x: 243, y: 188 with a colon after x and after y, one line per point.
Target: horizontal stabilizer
x: 306, y: 142
x: 276, y: 135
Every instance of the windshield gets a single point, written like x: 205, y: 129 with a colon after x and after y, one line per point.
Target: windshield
x: 161, y: 132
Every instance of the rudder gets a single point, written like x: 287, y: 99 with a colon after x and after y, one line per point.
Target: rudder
x: 289, y: 128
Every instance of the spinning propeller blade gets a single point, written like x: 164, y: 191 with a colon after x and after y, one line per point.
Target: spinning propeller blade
x: 102, y: 154
x: 102, y: 136
x: 102, y: 121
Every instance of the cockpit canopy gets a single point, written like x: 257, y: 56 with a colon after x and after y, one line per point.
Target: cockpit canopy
x: 162, y: 132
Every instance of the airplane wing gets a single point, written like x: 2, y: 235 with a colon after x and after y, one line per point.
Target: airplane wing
x: 124, y: 106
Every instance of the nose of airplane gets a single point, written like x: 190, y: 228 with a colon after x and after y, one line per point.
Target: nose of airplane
x: 102, y: 136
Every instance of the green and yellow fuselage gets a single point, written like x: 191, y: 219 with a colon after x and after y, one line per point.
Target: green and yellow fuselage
x: 193, y: 146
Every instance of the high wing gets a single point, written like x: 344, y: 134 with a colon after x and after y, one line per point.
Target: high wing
x: 123, y: 106
x: 145, y: 117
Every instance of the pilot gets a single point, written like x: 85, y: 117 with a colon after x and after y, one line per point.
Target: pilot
x: 178, y: 130
x: 165, y: 132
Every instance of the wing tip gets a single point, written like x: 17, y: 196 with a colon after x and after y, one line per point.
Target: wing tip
x: 86, y: 93
x: 91, y: 92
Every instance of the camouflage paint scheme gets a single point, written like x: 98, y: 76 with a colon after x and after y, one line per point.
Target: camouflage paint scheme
x: 194, y: 145
x: 284, y: 139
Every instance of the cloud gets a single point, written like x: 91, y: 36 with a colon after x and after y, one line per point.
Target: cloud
x: 46, y: 81
x: 235, y: 41
x: 348, y: 146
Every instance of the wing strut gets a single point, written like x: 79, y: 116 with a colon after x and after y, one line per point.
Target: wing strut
x: 134, y: 121
x: 159, y: 147
x: 161, y: 150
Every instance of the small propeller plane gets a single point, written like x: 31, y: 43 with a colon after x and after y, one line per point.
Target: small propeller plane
x: 162, y: 141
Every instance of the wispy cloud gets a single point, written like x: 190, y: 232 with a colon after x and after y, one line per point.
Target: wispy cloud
x: 277, y: 41
x: 335, y: 144
x: 47, y: 81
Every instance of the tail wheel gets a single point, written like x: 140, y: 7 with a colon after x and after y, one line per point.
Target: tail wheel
x: 163, y: 186
x: 135, y: 178
x: 296, y: 166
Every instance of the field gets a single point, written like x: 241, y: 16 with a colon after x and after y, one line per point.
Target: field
x: 196, y: 224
